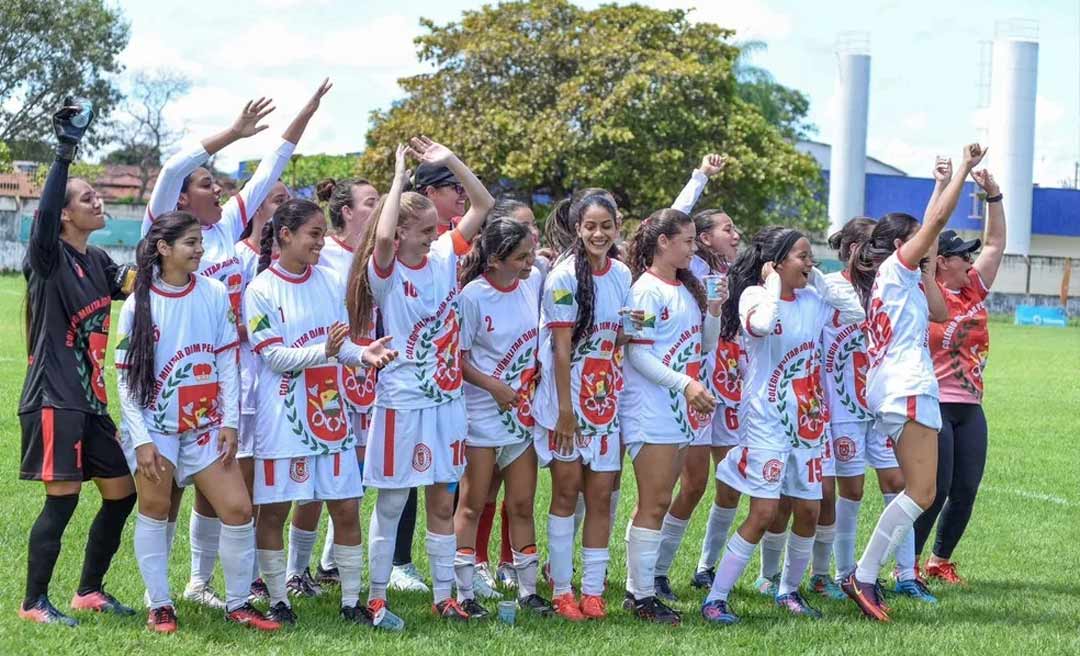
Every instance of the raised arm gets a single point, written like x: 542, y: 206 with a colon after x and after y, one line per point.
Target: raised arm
x: 993, y: 248
x: 759, y: 307
x: 480, y: 200
x: 939, y: 311
x: 711, y: 165
x: 916, y: 248
x: 848, y: 305
x: 942, y: 176
x: 386, y: 230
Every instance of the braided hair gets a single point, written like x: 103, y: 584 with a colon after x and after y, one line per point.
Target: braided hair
x: 771, y: 244
x: 668, y: 222
x: 585, y: 296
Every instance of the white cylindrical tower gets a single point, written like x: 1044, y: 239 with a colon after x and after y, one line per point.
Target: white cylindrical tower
x: 1012, y: 130
x: 847, y: 161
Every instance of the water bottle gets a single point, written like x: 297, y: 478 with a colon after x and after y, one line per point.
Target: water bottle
x: 86, y: 112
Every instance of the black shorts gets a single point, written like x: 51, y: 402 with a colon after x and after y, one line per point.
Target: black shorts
x: 69, y: 445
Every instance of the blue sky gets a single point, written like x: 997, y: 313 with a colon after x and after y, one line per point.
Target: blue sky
x: 924, y: 92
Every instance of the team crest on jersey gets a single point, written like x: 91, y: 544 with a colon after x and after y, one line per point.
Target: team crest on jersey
x: 861, y: 366
x: 562, y: 297
x: 582, y: 441
x: 198, y: 402
x: 811, y: 416
x: 879, y: 330
x: 772, y: 470
x: 98, y: 342
x: 698, y: 420
x: 447, y: 359
x: 845, y: 449
x: 298, y: 470
x: 527, y: 386
x: 421, y: 458
x: 360, y: 386
x: 597, y: 396
x: 325, y: 416
x: 725, y: 373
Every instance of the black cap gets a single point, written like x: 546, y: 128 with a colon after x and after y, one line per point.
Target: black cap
x: 430, y: 175
x: 949, y: 243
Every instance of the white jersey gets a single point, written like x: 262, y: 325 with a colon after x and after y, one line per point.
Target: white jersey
x: 419, y: 307
x: 337, y: 255
x: 845, y: 362
x: 898, y: 329
x: 595, y: 376
x: 499, y: 329
x: 300, y: 412
x: 723, y: 366
x: 359, y: 390
x: 249, y: 364
x: 193, y: 329
x: 672, y: 333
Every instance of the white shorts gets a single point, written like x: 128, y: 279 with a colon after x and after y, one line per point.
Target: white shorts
x: 245, y: 436
x: 360, y: 422
x: 326, y: 477
x: 857, y: 445
x: 898, y: 411
x: 723, y: 430
x: 189, y: 453
x: 634, y: 448
x: 414, y: 448
x: 767, y: 473
x: 600, y: 453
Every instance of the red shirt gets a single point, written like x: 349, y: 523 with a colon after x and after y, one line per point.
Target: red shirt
x: 441, y: 227
x: 960, y: 346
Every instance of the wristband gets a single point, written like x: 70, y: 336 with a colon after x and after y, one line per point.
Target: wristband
x: 994, y: 199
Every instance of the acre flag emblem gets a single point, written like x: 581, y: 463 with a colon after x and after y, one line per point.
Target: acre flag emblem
x: 260, y: 322
x: 562, y: 297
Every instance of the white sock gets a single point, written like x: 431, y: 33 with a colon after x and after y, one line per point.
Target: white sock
x: 847, y: 521
x: 895, y: 522
x: 614, y: 510
x: 579, y: 512
x: 237, y: 552
x: 642, y: 545
x: 205, y: 534
x: 301, y: 544
x: 671, y: 532
x: 716, y: 530
x: 272, y: 565
x: 254, y: 558
x: 823, y: 548
x: 350, y: 564
x: 464, y: 567
x: 327, y: 559
x: 561, y: 552
x: 905, y: 551
x: 440, y: 550
x: 731, y: 567
x: 795, y: 562
x: 595, y: 562
x: 382, y: 533
x: 170, y: 535
x: 525, y: 566
x: 631, y: 583
x: 151, y: 553
x: 772, y: 549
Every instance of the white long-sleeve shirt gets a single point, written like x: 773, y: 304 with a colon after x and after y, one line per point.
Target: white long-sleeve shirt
x: 688, y: 197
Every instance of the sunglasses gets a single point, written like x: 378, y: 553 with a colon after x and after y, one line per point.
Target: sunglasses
x: 458, y: 189
x: 964, y: 256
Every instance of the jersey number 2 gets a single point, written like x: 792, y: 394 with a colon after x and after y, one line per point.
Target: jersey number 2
x: 490, y: 326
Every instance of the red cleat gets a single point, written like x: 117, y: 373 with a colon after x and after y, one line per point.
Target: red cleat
x: 593, y: 607
x: 248, y: 616
x: 567, y: 607
x: 162, y: 619
x: 944, y: 571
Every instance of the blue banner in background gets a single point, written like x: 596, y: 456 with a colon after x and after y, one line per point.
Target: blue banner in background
x: 117, y: 232
x: 1034, y: 315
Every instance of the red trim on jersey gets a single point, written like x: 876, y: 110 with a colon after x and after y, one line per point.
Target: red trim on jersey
x: 267, y: 342
x: 47, y: 443
x: 121, y: 365
x: 748, y: 328
x: 744, y: 461
x: 673, y: 283
x: 647, y: 342
x: 288, y: 276
x: 900, y: 259
x: 911, y: 408
x: 511, y: 288
x: 788, y: 298
x: 388, y: 443
x: 560, y: 324
x: 604, y: 269
x: 845, y: 274
x: 230, y: 345
x: 337, y: 464
x: 342, y: 244
x: 250, y: 247
x: 243, y: 210
x: 167, y: 294
x: 381, y: 272
x: 418, y: 267
x: 268, y: 472
x: 461, y: 245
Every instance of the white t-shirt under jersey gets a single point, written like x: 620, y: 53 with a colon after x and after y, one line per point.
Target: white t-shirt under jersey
x: 898, y: 331
x: 844, y: 360
x: 595, y: 377
x: 499, y: 329
x: 419, y: 307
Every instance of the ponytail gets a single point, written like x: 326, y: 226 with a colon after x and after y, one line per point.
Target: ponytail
x: 266, y: 246
x: 876, y: 248
x: 704, y: 222
x: 848, y: 238
x: 771, y: 244
x: 501, y: 236
x: 667, y: 222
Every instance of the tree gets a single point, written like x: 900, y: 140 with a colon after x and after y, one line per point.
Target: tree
x: 144, y: 133
x: 549, y: 96
x: 783, y: 107
x: 5, y: 158
x: 51, y: 49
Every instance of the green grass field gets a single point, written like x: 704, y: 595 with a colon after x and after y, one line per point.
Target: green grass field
x: 1021, y: 556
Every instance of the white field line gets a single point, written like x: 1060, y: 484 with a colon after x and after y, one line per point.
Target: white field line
x: 1035, y: 496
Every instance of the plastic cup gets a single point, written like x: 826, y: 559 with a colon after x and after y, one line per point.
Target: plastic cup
x: 507, y: 612
x: 628, y: 326
x: 713, y: 281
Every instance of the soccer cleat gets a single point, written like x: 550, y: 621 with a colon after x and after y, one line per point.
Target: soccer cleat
x: 653, y: 610
x: 567, y: 607
x: 302, y: 585
x: 944, y: 572
x: 536, y: 605
x: 865, y: 597
x: 826, y: 587
x: 327, y: 576
x: 405, y: 578
x: 100, y: 601
x: 203, y: 594
x: 915, y: 589
x: 248, y: 616
x: 282, y: 613
x: 474, y: 609
x: 43, y: 612
x: 358, y: 614
x: 663, y: 588
x: 162, y: 619
x: 703, y: 578
x: 383, y: 618
x: 484, y: 582
x: 449, y: 609
x: 628, y: 601
x: 767, y: 586
x: 796, y: 605
x: 506, y: 576
x: 258, y: 591
x: 593, y: 607
x: 879, y: 590
x: 717, y: 611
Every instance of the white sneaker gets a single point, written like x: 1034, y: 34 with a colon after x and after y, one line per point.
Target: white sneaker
x: 201, y: 593
x: 506, y: 575
x: 484, y: 583
x: 405, y: 578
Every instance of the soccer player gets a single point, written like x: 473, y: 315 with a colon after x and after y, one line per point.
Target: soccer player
x: 665, y: 406
x: 959, y: 348
x: 179, y: 388
x: 779, y: 414
x: 67, y: 435
x: 902, y: 389
x: 418, y: 424
x: 577, y: 401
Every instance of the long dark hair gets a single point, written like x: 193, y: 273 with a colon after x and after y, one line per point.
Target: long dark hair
x: 848, y: 238
x: 559, y: 226
x: 338, y: 195
x: 643, y: 247
x: 139, y: 358
x: 291, y: 214
x: 501, y: 236
x: 878, y: 246
x: 585, y: 296
x: 705, y: 221
x: 772, y: 244
x: 251, y: 219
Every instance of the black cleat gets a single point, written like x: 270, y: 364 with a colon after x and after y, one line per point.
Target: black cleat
x: 281, y: 613
x: 537, y: 605
x: 653, y: 610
